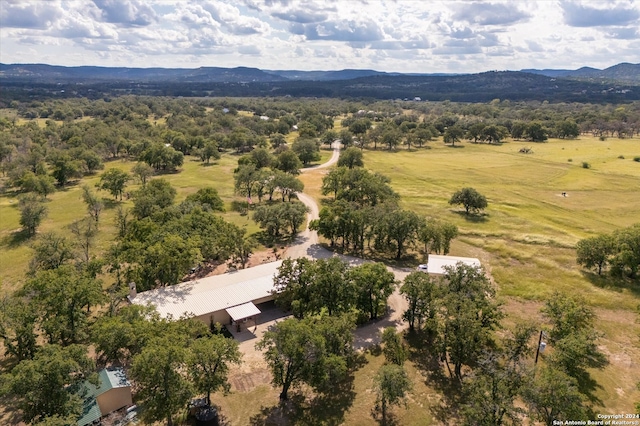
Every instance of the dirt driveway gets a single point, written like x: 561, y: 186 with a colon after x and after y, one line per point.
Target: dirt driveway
x: 253, y: 371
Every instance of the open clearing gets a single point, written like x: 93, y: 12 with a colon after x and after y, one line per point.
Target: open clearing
x: 529, y: 230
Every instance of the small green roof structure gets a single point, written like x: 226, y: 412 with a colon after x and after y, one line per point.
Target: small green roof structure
x: 90, y: 412
x: 112, y: 393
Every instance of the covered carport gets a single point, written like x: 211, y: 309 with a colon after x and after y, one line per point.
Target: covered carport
x: 242, y: 313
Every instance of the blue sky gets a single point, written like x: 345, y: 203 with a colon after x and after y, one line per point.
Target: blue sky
x: 405, y: 36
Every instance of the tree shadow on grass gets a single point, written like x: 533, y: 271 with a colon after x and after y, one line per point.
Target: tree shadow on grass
x: 67, y: 186
x: 322, y: 409
x: 389, y: 419
x: 277, y: 415
x: 191, y: 420
x: 268, y: 240
x: 329, y: 408
x: 425, y: 355
x: 110, y: 203
x: 11, y: 410
x: 470, y: 217
x: 222, y: 419
x: 17, y: 238
x: 613, y: 283
x: 588, y: 386
x: 165, y: 172
x: 388, y: 257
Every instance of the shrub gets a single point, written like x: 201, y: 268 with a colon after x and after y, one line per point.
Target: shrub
x: 621, y: 157
x: 636, y: 159
x: 603, y: 138
x: 240, y: 206
x: 570, y: 160
x: 586, y: 165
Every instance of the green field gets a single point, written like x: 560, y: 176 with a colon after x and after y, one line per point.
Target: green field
x: 526, y: 238
x: 528, y: 232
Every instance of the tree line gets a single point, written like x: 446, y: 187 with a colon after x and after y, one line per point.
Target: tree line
x: 161, y: 131
x: 617, y: 252
x: 363, y: 214
x: 454, y: 321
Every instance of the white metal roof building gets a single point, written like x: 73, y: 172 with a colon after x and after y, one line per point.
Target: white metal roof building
x: 437, y: 263
x: 218, y: 298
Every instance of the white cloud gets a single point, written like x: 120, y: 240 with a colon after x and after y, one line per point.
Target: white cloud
x: 126, y: 12
x: 490, y: 13
x: 599, y: 14
x: 232, y: 20
x: 400, y: 35
x: 36, y: 15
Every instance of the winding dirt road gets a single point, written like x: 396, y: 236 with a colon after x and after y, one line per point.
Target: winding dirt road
x: 253, y: 371
x: 302, y: 245
x: 306, y: 245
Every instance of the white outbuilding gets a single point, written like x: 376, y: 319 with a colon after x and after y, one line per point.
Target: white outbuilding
x: 437, y: 263
x: 219, y: 298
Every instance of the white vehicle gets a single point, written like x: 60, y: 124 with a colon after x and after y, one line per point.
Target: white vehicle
x: 422, y: 267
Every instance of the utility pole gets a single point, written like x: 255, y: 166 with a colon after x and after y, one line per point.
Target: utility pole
x: 538, y: 347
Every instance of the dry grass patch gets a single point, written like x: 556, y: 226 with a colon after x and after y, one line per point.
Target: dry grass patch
x: 305, y: 409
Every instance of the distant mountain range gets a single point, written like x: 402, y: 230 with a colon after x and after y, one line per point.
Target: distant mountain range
x: 619, y: 83
x: 348, y: 74
x: 45, y: 72
x: 49, y: 73
x: 624, y: 72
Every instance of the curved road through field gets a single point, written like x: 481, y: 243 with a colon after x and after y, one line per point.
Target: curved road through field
x: 302, y: 245
x: 306, y: 245
x: 253, y: 371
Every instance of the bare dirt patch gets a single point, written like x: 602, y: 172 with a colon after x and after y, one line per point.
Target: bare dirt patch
x: 247, y: 381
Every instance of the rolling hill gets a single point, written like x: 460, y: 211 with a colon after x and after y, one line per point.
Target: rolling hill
x: 29, y: 81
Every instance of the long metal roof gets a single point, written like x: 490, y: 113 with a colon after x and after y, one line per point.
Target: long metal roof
x: 211, y: 294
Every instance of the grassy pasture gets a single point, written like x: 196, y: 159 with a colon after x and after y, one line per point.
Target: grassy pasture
x: 527, y: 235
x: 529, y: 230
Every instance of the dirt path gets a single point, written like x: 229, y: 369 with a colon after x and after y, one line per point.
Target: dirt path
x: 302, y: 245
x: 306, y: 245
x: 333, y: 160
x: 253, y: 371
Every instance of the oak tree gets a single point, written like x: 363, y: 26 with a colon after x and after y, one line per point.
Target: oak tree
x: 471, y: 199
